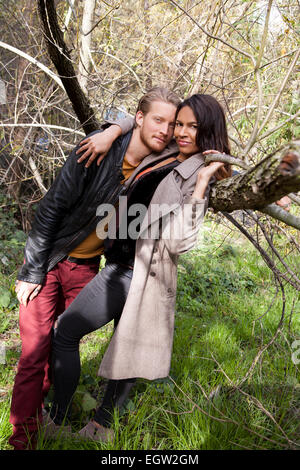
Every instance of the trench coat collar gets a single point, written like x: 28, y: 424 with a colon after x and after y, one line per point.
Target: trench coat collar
x: 190, y: 165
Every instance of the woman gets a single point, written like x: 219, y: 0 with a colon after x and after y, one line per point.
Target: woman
x: 142, y: 343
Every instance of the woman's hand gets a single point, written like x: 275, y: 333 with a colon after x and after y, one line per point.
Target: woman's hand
x: 203, y: 178
x: 285, y: 203
x: 208, y: 152
x: 98, y: 145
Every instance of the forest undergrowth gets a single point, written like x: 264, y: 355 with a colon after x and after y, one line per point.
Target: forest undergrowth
x: 234, y: 378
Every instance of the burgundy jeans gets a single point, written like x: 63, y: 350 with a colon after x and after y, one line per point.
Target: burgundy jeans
x: 32, y: 383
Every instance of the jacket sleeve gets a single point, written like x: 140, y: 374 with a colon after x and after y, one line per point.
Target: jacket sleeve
x: 58, y: 201
x: 126, y: 124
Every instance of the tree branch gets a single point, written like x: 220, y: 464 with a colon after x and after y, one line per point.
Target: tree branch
x: 269, y: 262
x: 275, y: 176
x: 33, y: 61
x: 275, y: 101
x: 280, y: 214
x: 43, y: 126
x: 240, y: 51
x: 257, y: 73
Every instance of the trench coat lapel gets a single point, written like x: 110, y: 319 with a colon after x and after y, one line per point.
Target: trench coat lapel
x: 168, y: 195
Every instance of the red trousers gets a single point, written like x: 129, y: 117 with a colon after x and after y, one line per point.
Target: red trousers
x: 32, y: 383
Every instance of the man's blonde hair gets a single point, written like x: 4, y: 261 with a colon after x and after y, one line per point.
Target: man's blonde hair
x: 157, y: 94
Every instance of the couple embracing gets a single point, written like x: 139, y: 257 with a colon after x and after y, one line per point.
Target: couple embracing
x: 155, y: 160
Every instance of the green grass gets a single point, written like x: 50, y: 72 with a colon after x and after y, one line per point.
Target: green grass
x: 224, y: 287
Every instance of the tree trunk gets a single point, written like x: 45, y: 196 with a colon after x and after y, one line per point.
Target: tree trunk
x: 61, y: 59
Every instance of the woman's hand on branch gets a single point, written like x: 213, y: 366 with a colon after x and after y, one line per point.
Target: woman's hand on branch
x: 98, y: 145
x: 285, y: 203
x: 204, y: 175
x: 209, y: 152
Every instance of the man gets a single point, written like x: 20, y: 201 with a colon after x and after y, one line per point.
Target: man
x: 62, y: 251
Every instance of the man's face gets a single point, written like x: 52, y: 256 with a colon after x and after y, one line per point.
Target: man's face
x: 157, y: 126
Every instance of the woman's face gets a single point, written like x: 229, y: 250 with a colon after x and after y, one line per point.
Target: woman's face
x: 185, y: 132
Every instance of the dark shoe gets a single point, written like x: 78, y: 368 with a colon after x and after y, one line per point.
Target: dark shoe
x: 96, y: 433
x: 24, y: 437
x: 27, y: 443
x: 50, y: 429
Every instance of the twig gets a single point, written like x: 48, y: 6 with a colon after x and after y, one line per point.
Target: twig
x: 257, y: 73
x: 263, y: 253
x: 219, y: 157
x: 290, y: 318
x: 273, y: 247
x: 210, y: 35
x: 271, y: 131
x: 43, y: 126
x: 280, y: 214
x: 180, y: 413
x: 261, y: 67
x: 101, y: 19
x: 123, y: 63
x: 226, y: 419
x: 268, y: 309
x: 247, y: 448
x: 256, y: 402
x: 294, y: 198
x: 275, y: 101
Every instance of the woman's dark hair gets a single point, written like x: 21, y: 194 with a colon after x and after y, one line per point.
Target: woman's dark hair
x: 212, y: 130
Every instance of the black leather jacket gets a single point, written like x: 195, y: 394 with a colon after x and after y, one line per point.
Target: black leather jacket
x: 67, y: 213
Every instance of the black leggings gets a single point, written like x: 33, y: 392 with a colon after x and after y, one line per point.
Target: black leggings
x: 101, y: 301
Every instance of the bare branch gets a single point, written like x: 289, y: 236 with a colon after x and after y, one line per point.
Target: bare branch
x: 240, y: 51
x: 284, y: 82
x: 43, y: 126
x: 257, y: 73
x: 85, y: 40
x: 282, y: 215
x: 125, y: 65
x: 263, y: 253
x: 33, y: 61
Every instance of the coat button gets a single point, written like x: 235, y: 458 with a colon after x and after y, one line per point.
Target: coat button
x: 153, y: 261
x: 193, y: 215
x: 152, y: 274
x: 194, y: 208
x: 170, y: 290
x: 155, y: 250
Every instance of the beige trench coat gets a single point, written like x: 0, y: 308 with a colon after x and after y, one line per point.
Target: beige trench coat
x: 142, y: 343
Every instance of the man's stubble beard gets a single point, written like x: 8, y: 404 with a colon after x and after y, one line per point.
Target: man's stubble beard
x: 150, y: 144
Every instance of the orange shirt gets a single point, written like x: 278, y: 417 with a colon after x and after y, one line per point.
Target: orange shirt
x: 92, y: 245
